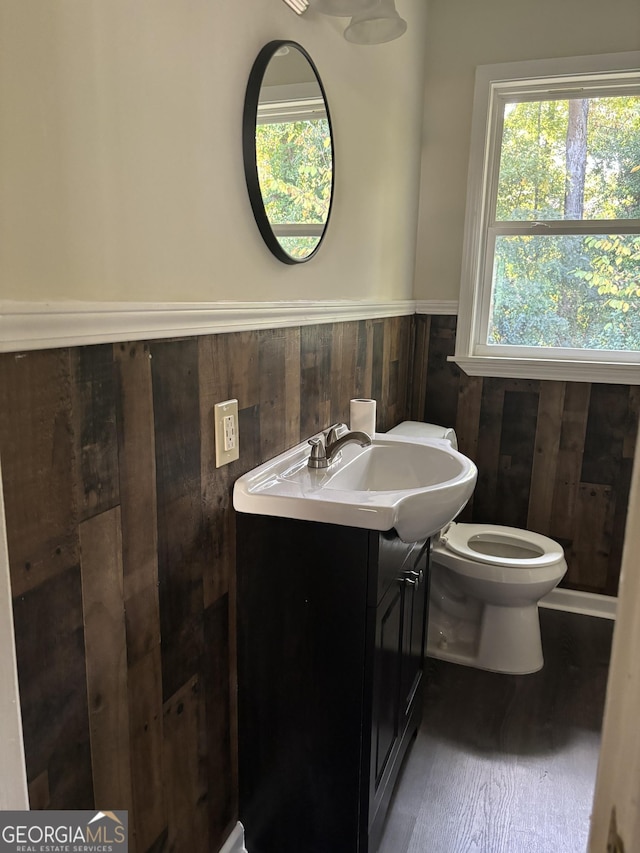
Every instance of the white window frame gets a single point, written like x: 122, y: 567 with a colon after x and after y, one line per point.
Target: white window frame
x: 495, y: 85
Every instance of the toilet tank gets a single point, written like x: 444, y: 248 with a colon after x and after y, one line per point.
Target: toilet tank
x: 422, y: 430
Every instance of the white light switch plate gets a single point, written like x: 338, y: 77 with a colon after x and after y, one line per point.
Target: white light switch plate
x: 225, y: 418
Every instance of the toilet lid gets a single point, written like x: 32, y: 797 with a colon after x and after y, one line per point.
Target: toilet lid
x: 501, y: 546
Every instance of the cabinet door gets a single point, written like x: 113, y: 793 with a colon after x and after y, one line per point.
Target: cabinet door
x: 414, y: 625
x: 396, y: 626
x: 386, y: 682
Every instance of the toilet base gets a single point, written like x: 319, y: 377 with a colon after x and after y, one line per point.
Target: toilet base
x: 510, y: 639
x: 506, y: 639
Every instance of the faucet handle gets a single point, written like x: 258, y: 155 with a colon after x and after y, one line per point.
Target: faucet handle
x: 333, y: 432
x: 318, y: 457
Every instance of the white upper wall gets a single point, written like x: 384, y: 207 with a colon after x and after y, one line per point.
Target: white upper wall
x: 121, y: 175
x: 461, y: 35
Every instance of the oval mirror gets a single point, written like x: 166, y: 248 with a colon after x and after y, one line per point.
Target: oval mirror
x: 288, y: 151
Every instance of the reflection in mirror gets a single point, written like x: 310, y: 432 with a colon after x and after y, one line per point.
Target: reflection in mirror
x: 288, y: 151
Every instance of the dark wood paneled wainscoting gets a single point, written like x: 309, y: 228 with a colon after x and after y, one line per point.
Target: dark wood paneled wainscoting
x: 554, y: 457
x: 122, y: 550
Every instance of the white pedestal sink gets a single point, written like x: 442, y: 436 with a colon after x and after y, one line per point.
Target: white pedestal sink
x: 416, y: 486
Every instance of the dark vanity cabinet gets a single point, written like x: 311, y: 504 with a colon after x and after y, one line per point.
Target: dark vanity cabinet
x: 331, y: 636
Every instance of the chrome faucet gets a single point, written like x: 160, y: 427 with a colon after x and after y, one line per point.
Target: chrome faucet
x: 325, y: 448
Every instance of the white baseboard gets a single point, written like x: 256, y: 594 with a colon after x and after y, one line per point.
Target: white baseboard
x: 587, y: 603
x: 235, y: 842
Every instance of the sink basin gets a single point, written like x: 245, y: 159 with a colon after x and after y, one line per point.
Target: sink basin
x: 390, y: 466
x: 416, y: 486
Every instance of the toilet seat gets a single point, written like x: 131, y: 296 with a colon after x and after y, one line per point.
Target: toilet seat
x: 496, y: 545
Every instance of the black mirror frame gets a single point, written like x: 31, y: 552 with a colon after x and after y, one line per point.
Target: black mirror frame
x: 249, y: 117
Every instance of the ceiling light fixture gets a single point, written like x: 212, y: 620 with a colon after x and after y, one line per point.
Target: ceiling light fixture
x: 298, y: 6
x: 372, y: 21
x: 342, y: 8
x: 377, y: 23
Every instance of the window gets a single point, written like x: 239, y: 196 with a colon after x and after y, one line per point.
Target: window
x: 551, y: 265
x: 295, y: 165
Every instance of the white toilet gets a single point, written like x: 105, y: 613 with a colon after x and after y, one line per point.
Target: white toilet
x: 486, y: 582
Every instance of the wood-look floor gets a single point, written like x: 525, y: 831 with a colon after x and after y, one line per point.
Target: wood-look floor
x: 507, y: 764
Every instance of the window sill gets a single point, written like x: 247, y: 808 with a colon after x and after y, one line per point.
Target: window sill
x: 610, y: 373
